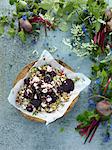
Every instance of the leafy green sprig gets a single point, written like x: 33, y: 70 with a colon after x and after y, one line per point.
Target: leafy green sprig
x: 93, y: 16
x: 62, y: 12
x: 86, y: 117
x: 101, y: 73
x: 59, y: 10
x: 88, y: 23
x: 81, y: 43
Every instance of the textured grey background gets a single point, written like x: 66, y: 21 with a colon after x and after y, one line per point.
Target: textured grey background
x: 17, y: 133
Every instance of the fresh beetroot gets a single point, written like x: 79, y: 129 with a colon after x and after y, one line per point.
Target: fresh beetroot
x: 108, y: 13
x: 25, y: 25
x: 29, y: 108
x: 104, y: 108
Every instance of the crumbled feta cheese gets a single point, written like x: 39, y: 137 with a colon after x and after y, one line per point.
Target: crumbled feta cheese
x: 62, y: 99
x: 54, y: 90
x: 53, y: 83
x: 25, y: 103
x: 46, y: 85
x: 21, y: 97
x: 35, y: 96
x: 49, y: 86
x: 39, y: 68
x: 35, y: 85
x: 35, y: 79
x: 62, y: 79
x: 43, y: 104
x: 23, y: 106
x: 49, y: 69
x: 42, y: 109
x: 44, y: 90
x: 22, y: 92
x: 49, y: 99
x: 58, y: 82
x: 28, y: 91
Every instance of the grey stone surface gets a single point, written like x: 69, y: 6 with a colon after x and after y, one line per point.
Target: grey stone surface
x: 18, y: 133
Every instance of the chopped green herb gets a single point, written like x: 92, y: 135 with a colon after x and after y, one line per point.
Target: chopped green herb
x: 62, y: 129
x: 11, y: 32
x: 1, y: 29
x: 22, y: 36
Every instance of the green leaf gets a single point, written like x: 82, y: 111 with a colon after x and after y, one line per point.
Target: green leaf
x: 11, y: 32
x: 87, y: 116
x: 104, y: 73
x: 20, y: 14
x: 4, y: 20
x: 46, y: 6
x: 14, y: 13
x: 35, y: 6
x: 62, y: 129
x: 21, y: 6
x: 22, y: 36
x: 101, y: 21
x: 70, y: 15
x: 12, y: 2
x: 60, y: 12
x: 35, y: 11
x: 97, y: 26
x: 95, y: 68
x: 1, y: 29
x: 110, y: 85
x: 107, y: 59
x: 22, y: 3
x: 63, y: 26
x: 80, y: 118
x: 56, y: 7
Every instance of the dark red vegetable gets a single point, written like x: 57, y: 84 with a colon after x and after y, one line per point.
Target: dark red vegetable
x: 46, y: 23
x: 100, y: 37
x: 104, y: 108
x: 89, y: 130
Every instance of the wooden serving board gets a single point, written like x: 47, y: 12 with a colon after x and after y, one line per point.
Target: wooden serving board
x: 23, y: 73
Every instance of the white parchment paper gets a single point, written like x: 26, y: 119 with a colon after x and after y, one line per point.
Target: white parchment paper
x: 46, y: 58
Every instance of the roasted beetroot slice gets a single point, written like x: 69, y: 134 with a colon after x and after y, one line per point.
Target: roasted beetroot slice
x: 68, y: 85
x: 29, y: 108
x: 47, y: 79
x: 42, y: 72
x: 26, y: 81
x: 28, y: 95
x: 52, y: 74
x: 60, y: 89
x: 36, y: 103
x: 54, y: 97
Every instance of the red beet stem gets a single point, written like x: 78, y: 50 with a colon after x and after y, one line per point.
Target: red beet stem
x: 91, y: 128
x: 99, y: 38
x: 92, y: 125
x: 106, y: 87
x: 94, y: 131
x: 36, y: 19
